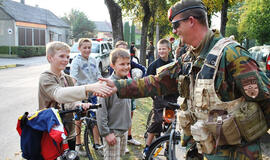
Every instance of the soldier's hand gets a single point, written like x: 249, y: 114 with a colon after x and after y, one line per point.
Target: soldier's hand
x: 109, y: 83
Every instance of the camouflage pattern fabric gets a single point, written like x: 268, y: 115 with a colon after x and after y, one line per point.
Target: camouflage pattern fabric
x: 238, y: 75
x: 245, y: 152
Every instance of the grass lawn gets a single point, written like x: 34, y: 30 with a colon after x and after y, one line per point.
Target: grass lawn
x: 144, y: 105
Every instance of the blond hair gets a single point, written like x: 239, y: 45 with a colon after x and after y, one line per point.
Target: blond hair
x: 82, y: 40
x: 118, y: 43
x: 53, y: 47
x: 164, y: 41
x: 118, y: 53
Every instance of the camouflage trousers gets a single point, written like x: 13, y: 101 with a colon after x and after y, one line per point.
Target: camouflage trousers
x: 250, y: 151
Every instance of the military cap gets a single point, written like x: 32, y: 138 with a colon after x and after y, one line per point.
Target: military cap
x: 184, y: 5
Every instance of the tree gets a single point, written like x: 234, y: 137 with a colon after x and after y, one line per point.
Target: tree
x: 145, y: 11
x: 116, y: 19
x: 234, y: 13
x: 127, y: 32
x: 132, y: 34
x: 220, y: 5
x: 254, y: 22
x: 80, y: 25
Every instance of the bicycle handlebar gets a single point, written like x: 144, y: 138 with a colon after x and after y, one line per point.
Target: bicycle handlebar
x: 173, y: 106
x: 79, y: 109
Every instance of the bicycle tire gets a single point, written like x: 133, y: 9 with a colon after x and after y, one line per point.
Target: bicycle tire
x: 149, y: 118
x: 157, y: 149
x: 148, y: 123
x: 92, y: 154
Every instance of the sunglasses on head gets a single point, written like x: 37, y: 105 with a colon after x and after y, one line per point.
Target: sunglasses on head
x: 176, y: 23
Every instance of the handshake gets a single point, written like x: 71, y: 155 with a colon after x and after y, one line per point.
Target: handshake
x: 103, y: 88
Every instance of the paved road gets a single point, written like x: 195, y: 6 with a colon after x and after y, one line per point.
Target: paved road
x: 23, y: 61
x: 18, y: 93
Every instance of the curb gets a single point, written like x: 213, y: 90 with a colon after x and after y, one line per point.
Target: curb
x: 9, y: 66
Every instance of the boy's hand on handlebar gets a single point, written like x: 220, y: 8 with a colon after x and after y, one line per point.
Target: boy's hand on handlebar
x: 86, y: 106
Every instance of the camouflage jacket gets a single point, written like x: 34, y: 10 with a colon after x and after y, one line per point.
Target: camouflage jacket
x: 236, y: 71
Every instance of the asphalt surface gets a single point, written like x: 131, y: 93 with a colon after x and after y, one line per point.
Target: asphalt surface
x: 16, y: 62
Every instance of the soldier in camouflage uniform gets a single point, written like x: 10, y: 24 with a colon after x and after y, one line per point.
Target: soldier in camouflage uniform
x: 237, y: 80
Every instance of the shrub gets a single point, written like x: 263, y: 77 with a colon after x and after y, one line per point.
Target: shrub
x: 24, y: 51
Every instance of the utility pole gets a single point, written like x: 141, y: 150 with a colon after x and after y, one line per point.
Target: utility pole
x: 9, y: 35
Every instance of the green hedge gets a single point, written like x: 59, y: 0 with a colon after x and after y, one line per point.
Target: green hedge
x: 24, y: 51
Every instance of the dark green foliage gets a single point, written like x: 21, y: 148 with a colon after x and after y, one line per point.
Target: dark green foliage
x: 80, y: 25
x: 254, y: 21
x: 132, y: 34
x: 23, y: 51
x: 127, y: 33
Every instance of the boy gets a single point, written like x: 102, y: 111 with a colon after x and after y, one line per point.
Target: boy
x: 114, y: 118
x: 124, y: 45
x: 159, y: 102
x: 84, y: 70
x: 56, y: 88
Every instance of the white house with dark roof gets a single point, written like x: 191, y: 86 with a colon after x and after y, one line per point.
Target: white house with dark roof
x: 104, y: 29
x: 24, y: 25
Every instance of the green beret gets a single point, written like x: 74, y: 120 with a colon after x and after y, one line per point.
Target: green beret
x: 184, y: 5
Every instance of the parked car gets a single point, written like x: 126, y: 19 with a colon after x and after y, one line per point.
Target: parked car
x: 100, y: 51
x: 261, y: 55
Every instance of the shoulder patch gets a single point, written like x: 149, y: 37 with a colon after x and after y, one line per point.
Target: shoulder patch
x: 250, y: 86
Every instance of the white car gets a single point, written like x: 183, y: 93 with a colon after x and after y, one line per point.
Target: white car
x: 100, y: 50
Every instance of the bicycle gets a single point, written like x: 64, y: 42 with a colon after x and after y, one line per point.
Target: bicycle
x: 168, y: 115
x: 160, y: 148
x: 89, y: 122
x: 164, y: 147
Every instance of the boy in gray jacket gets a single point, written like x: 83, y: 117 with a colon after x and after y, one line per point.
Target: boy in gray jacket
x: 114, y: 118
x: 84, y: 70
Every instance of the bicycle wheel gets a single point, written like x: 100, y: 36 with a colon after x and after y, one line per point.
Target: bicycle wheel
x: 148, y: 123
x: 159, y: 148
x: 92, y: 153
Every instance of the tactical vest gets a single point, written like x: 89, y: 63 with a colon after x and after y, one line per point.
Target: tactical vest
x: 209, y: 120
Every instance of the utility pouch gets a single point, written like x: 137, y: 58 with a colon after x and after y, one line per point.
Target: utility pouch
x: 250, y: 121
x: 204, y: 139
x: 183, y: 86
x: 206, y: 146
x: 185, y: 121
x: 223, y: 127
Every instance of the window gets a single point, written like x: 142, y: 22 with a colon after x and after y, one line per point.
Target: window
x: 102, y: 48
x: 36, y: 37
x: 59, y: 37
x: 21, y: 36
x: 51, y: 36
x: 110, y: 46
x: 42, y: 37
x: 30, y: 36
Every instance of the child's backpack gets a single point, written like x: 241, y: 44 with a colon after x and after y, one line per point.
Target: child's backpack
x: 42, y: 135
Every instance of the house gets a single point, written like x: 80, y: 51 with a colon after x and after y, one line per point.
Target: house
x: 24, y: 25
x: 104, y: 29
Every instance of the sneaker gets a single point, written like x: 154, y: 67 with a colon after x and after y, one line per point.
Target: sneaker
x: 80, y: 150
x: 127, y: 151
x: 146, y: 149
x: 99, y: 149
x: 98, y: 146
x: 134, y: 142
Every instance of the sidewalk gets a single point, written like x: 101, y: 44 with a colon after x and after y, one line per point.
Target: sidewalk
x: 15, y: 62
